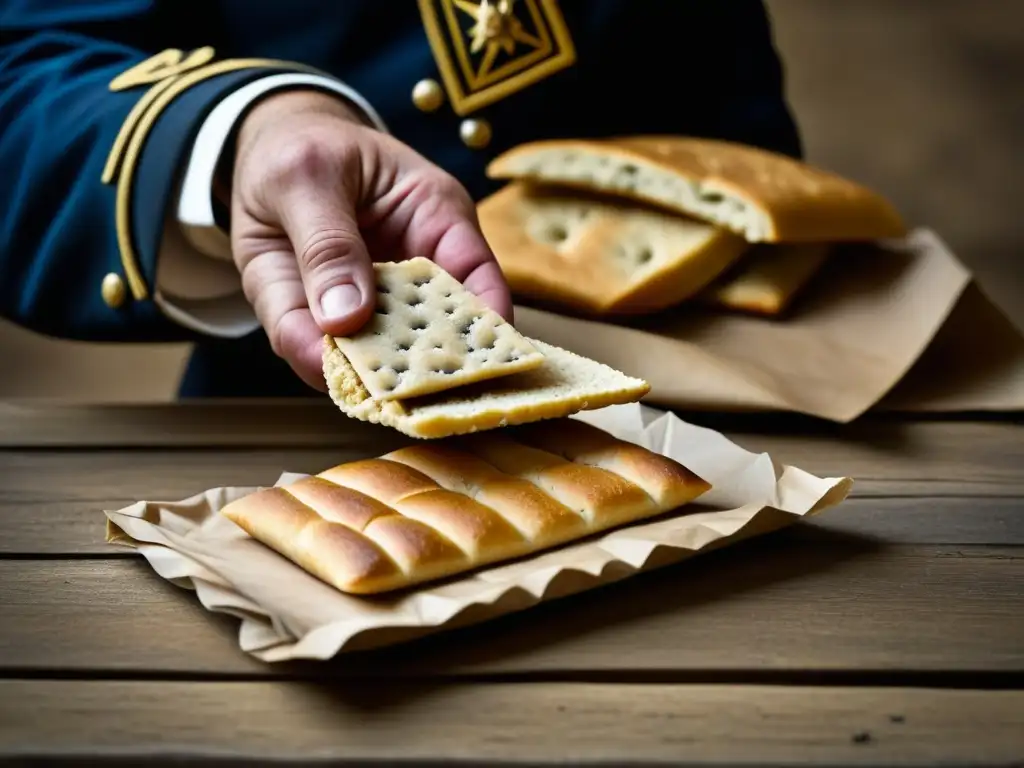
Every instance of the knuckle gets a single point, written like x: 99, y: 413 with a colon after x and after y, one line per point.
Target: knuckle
x: 441, y: 195
x: 300, y: 159
x: 444, y: 185
x: 328, y: 246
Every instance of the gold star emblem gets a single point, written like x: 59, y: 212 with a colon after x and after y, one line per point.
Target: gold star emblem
x: 496, y: 29
x: 510, y: 45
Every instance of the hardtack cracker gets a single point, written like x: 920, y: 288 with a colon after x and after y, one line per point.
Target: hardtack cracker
x: 429, y: 334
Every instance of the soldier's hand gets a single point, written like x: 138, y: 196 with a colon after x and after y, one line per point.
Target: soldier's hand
x: 316, y: 197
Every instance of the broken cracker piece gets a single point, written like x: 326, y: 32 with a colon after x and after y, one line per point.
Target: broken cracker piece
x: 564, y: 384
x: 429, y: 334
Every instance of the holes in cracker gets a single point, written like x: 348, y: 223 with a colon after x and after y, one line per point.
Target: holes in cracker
x: 644, y: 255
x: 625, y: 177
x: 483, y: 338
x: 418, y: 325
x: 556, y: 233
x: 388, y: 378
x: 447, y: 367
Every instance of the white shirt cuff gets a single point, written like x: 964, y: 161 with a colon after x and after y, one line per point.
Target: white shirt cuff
x: 198, y: 285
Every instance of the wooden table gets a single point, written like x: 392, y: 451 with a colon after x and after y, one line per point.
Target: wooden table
x: 889, y: 630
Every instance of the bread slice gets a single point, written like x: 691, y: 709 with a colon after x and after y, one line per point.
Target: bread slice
x: 564, y: 384
x: 430, y: 334
x: 601, y: 257
x: 440, y: 509
x: 768, y: 279
x: 760, y: 195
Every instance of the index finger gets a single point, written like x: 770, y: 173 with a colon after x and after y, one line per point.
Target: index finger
x: 463, y: 253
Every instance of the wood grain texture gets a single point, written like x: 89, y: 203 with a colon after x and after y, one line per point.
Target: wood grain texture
x: 225, y: 423
x: 77, y: 527
x: 685, y: 724
x: 947, y: 458
x: 818, y: 600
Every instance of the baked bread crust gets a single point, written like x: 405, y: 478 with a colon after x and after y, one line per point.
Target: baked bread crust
x: 434, y: 510
x: 564, y: 384
x: 768, y: 279
x: 601, y: 258
x: 760, y: 195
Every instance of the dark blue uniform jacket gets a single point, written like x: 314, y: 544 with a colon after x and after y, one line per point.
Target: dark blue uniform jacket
x: 697, y: 67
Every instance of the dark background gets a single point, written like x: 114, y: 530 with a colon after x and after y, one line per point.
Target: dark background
x: 920, y: 99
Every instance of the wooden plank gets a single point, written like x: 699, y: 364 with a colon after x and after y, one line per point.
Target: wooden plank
x: 242, y: 422
x: 814, y: 602
x: 217, y: 423
x: 544, y: 723
x: 917, y: 520
x: 933, y: 459
x: 314, y: 422
x: 99, y: 476
x: 57, y: 528
x: 78, y: 527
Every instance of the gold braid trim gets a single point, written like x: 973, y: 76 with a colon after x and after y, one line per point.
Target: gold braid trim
x: 171, y: 74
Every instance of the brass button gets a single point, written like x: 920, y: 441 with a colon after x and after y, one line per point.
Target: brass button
x: 476, y: 134
x: 427, y: 95
x: 113, y: 291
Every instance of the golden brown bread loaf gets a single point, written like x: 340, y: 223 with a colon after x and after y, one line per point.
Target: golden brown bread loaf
x: 760, y: 195
x: 440, y: 509
x: 767, y: 279
x: 601, y: 257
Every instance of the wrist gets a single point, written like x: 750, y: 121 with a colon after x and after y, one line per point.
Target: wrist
x: 287, y: 104
x: 267, y: 111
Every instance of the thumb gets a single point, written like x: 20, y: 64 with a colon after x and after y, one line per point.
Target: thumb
x: 335, y: 265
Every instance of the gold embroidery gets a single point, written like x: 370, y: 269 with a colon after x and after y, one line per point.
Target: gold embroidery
x: 510, y: 47
x: 161, y: 66
x: 128, y: 126
x: 124, y: 156
x: 160, y: 71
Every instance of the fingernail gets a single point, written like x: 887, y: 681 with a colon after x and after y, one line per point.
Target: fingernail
x: 340, y: 301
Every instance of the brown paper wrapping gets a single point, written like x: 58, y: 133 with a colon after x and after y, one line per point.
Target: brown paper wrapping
x: 974, y: 364
x: 853, y: 334
x: 286, y: 613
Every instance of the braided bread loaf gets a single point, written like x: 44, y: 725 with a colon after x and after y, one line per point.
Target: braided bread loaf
x: 438, y: 509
